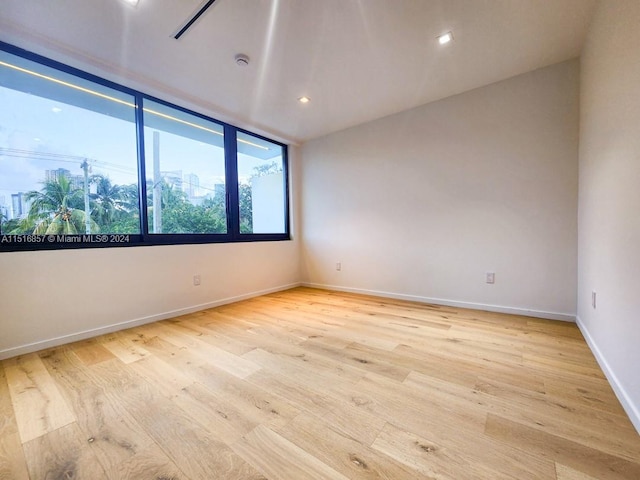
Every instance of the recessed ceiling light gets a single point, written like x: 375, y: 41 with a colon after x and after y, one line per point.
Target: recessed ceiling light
x: 445, y: 38
x: 56, y: 109
x: 131, y: 2
x: 304, y: 99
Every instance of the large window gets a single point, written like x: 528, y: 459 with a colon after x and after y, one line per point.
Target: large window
x: 85, y: 163
x: 261, y: 185
x: 68, y: 157
x: 185, y: 166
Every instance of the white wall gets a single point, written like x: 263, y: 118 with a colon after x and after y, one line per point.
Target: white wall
x: 421, y: 204
x: 609, y: 205
x: 53, y: 297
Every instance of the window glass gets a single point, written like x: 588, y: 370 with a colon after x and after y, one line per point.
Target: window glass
x: 68, y: 154
x: 185, y: 170
x: 77, y: 154
x: 261, y: 185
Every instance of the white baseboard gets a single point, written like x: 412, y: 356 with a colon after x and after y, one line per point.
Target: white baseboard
x: 632, y: 410
x: 94, y: 332
x: 565, y: 317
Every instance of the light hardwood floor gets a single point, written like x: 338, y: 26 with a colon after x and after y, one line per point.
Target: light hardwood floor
x: 308, y: 384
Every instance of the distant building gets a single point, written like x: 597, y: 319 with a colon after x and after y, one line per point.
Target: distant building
x: 5, y: 213
x: 173, y: 178
x: 19, y: 205
x: 54, y: 175
x: 76, y: 181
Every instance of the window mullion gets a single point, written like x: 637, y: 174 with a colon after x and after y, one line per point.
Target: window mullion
x: 142, y: 188
x: 231, y: 164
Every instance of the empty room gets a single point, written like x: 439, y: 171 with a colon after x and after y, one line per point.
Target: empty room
x: 337, y: 239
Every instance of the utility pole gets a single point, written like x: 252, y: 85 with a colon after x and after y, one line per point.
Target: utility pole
x: 87, y: 212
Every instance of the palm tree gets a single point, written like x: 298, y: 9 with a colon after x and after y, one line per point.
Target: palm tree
x: 129, y: 198
x: 172, y: 196
x: 172, y: 200
x: 57, y: 209
x: 105, y: 200
x: 11, y: 227
x: 115, y: 207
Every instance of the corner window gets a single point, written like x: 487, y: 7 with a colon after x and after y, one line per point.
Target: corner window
x: 261, y: 185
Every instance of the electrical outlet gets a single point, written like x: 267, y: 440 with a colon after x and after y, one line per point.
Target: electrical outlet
x: 490, y: 277
x: 593, y: 299
x: 196, y: 280
x: 338, y: 266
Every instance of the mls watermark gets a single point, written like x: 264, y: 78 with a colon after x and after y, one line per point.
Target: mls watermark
x: 30, y: 239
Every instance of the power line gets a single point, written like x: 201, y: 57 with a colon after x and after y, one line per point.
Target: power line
x: 36, y: 158
x: 63, y: 158
x: 42, y: 154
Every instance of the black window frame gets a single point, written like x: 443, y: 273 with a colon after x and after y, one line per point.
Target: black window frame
x: 14, y: 243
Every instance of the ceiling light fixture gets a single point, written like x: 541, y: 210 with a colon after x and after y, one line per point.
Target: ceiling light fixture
x: 131, y: 2
x: 304, y: 99
x: 242, y: 60
x: 445, y: 38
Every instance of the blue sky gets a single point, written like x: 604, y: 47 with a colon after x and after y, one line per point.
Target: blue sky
x: 34, y: 128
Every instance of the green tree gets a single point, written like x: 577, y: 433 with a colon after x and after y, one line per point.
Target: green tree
x: 188, y: 218
x: 181, y: 216
x: 58, y: 208
x: 11, y: 227
x: 115, y: 207
x: 104, y: 202
x: 128, y: 198
x: 266, y: 169
x: 246, y: 208
x: 126, y: 218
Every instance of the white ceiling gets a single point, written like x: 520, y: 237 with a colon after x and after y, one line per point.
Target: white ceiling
x: 357, y: 60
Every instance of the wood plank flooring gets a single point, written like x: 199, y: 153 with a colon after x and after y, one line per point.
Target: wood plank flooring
x: 310, y: 384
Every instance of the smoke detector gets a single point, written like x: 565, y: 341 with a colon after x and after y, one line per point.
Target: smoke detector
x: 242, y: 60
